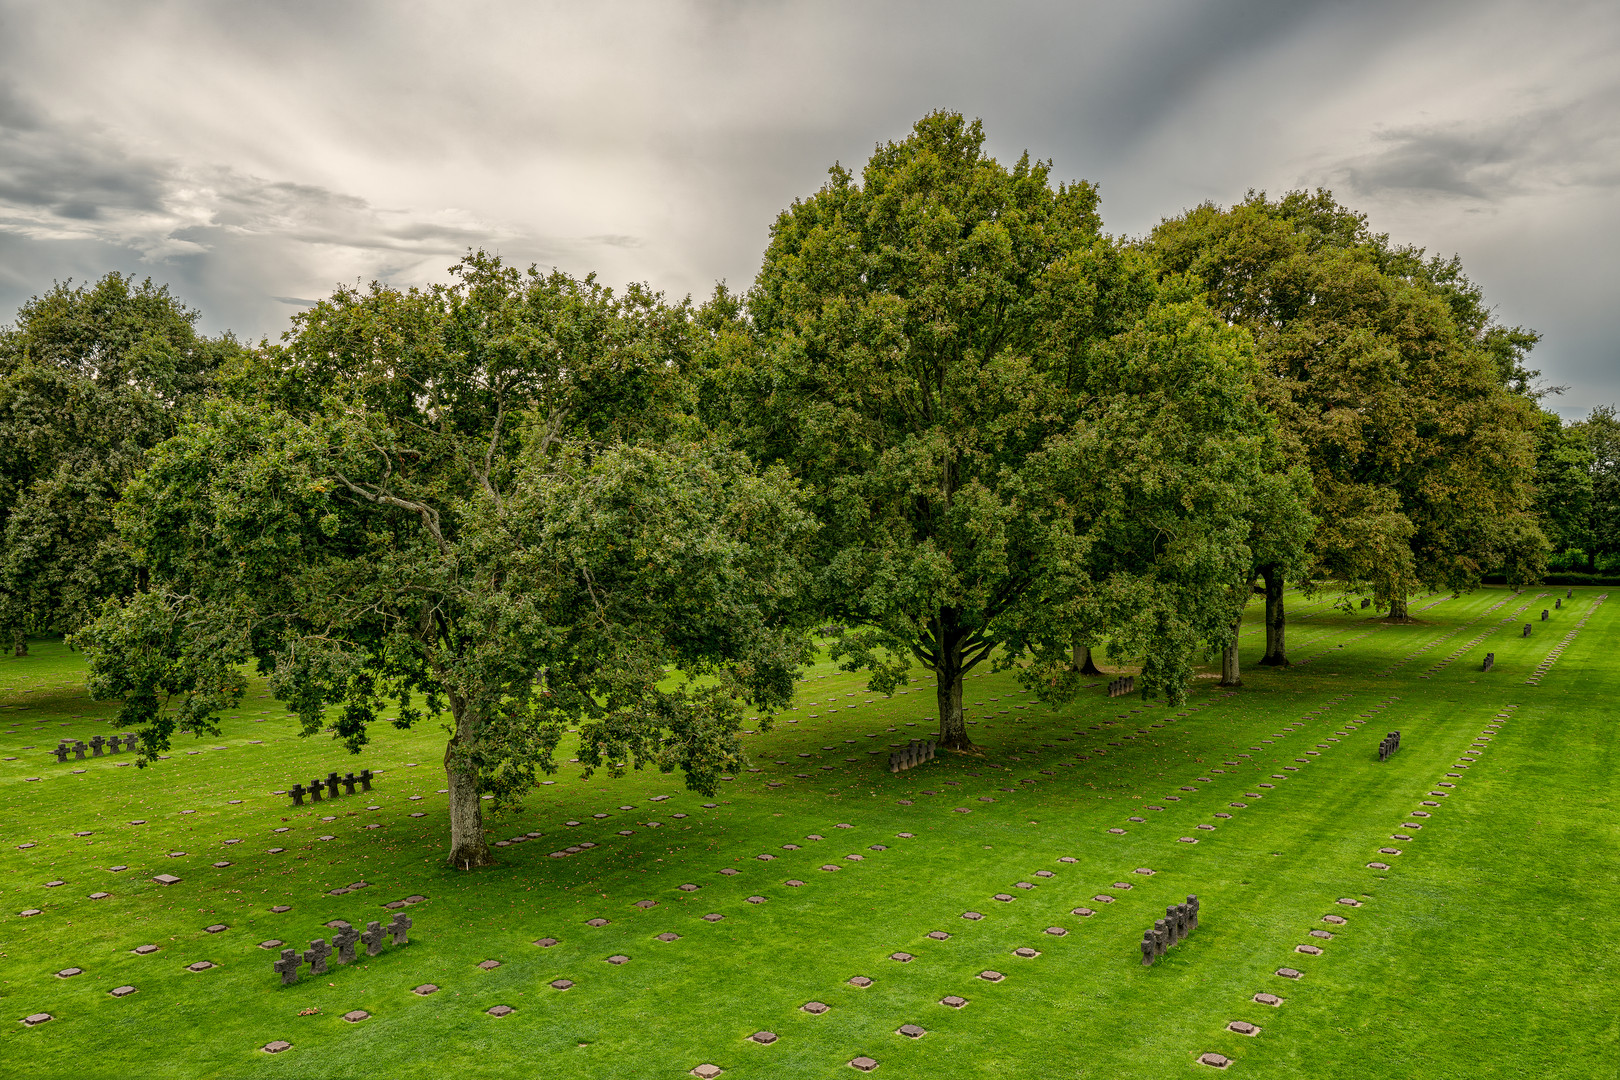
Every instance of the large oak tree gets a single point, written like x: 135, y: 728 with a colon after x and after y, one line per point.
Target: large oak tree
x: 479, y: 500
x: 1393, y: 384
x: 1012, y: 435
x: 91, y: 377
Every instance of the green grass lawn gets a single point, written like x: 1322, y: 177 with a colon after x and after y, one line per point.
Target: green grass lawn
x: 1482, y: 951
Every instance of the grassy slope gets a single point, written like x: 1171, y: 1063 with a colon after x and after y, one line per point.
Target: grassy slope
x: 1481, y: 953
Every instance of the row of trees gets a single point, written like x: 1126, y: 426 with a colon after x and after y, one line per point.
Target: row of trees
x: 952, y: 419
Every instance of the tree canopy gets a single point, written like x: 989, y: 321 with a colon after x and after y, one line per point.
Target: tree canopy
x: 1012, y: 435
x: 477, y: 499
x: 91, y: 378
x: 1411, y: 406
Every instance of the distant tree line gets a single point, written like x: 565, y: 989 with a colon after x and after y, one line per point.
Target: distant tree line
x: 952, y: 419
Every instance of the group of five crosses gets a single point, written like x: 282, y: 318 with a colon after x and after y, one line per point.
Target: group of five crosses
x: 330, y: 786
x: 345, y: 940
x: 1179, y: 921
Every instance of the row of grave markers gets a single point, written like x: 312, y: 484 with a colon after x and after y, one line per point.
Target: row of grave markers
x: 1390, y: 744
x: 345, y: 939
x: 329, y: 786
x: 1179, y: 921
x: 77, y: 747
x: 1121, y: 686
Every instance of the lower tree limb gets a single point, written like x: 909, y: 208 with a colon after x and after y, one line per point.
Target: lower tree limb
x: 1083, y: 662
x: 1230, y: 676
x: 467, y: 847
x: 952, y: 725
x: 1276, y: 620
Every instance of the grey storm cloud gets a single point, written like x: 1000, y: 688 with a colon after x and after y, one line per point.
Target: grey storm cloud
x: 255, y: 155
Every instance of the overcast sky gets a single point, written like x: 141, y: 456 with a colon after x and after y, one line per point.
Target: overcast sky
x: 252, y: 155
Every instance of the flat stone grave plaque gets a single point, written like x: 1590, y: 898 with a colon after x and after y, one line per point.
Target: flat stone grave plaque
x: 814, y: 1008
x: 991, y: 976
x: 864, y: 1064
x: 953, y: 1001
x: 1268, y: 999
x: 560, y: 984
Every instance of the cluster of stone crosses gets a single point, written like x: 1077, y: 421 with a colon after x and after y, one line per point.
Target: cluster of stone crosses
x: 345, y: 938
x: 1179, y: 921
x: 1390, y: 744
x: 329, y: 786
x: 1125, y: 684
x: 1490, y: 662
x: 912, y: 754
x: 77, y: 747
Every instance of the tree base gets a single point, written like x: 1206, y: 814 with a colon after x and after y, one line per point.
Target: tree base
x: 1090, y: 668
x: 1234, y: 682
x: 471, y: 857
x: 1275, y: 661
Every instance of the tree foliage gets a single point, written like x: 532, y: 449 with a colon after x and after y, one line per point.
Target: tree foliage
x: 1394, y: 385
x: 1011, y: 434
x: 478, y: 499
x: 91, y: 378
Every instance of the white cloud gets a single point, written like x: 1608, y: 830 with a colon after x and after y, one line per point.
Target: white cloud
x: 255, y: 154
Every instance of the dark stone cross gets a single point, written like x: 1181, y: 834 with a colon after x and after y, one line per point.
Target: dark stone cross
x: 1161, y: 936
x: 373, y: 938
x: 348, y: 784
x: 365, y: 779
x: 1558, y: 603
x: 297, y: 793
x: 332, y: 782
x: 1365, y: 603
x: 1150, y: 947
x: 61, y: 753
x: 319, y: 950
x: 287, y: 966
x: 96, y: 744
x: 344, y: 938
x: 1543, y: 614
x: 399, y: 928
x: 315, y: 789
x: 1192, y: 911
x: 78, y: 750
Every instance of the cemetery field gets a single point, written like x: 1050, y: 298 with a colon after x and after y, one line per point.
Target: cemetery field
x: 1459, y: 895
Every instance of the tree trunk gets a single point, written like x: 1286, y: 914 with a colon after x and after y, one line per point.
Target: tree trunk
x: 1397, y: 610
x: 22, y: 645
x: 948, y: 687
x: 1230, y: 676
x: 1083, y: 662
x: 1276, y: 621
x: 467, y: 847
